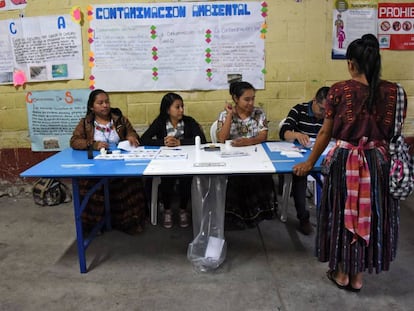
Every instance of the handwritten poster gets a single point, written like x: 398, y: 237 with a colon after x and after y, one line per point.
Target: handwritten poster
x: 396, y: 26
x: 351, y: 20
x: 53, y: 115
x: 43, y: 48
x: 176, y: 46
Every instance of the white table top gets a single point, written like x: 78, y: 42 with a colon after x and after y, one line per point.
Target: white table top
x: 202, y: 162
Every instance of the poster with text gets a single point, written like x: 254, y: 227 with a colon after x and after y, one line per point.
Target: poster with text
x: 46, y: 48
x: 176, y: 46
x: 53, y: 115
x: 396, y: 26
x: 351, y: 20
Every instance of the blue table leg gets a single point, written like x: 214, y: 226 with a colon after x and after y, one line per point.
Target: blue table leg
x: 79, y: 206
x: 78, y: 222
x: 107, y: 205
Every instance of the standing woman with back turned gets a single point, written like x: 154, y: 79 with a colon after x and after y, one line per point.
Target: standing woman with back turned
x: 104, y: 126
x: 358, y: 221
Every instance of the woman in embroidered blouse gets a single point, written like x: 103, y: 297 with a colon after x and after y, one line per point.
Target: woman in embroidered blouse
x: 172, y: 128
x: 358, y: 219
x: 104, y: 127
x: 249, y: 199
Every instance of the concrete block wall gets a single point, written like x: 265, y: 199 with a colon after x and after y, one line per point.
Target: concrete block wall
x: 298, y: 62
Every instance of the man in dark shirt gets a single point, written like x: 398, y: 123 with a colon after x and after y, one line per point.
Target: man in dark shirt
x: 302, y: 123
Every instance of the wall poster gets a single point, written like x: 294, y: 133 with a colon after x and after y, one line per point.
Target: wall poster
x: 176, y: 45
x: 45, y: 48
x: 351, y: 20
x: 53, y: 115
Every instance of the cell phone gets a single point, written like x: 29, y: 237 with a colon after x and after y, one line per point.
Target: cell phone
x: 212, y: 148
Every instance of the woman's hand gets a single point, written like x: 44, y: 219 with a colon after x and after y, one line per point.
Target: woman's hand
x: 241, y: 141
x: 133, y: 141
x: 229, y: 108
x: 171, y: 141
x: 101, y: 144
x: 302, y: 169
x: 303, y: 139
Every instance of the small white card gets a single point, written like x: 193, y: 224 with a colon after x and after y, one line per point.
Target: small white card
x: 214, y: 247
x: 292, y: 154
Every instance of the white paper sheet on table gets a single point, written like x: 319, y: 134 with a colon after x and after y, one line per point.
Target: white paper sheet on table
x: 171, y: 154
x: 280, y: 146
x: 292, y: 154
x: 231, y: 154
x: 125, y: 145
x: 287, y: 149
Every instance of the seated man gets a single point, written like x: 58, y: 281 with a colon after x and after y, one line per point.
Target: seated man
x: 303, y: 122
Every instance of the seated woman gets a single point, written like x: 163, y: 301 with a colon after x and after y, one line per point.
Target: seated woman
x: 249, y: 198
x: 103, y: 127
x: 172, y: 128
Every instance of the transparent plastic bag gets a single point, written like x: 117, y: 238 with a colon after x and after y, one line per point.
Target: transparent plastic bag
x: 208, y: 249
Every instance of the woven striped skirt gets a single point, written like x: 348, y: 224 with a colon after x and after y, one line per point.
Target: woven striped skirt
x: 127, y: 201
x: 333, y: 242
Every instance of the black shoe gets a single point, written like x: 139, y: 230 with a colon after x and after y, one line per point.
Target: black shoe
x: 305, y: 227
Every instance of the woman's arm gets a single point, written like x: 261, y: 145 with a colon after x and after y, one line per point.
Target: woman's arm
x: 244, y: 141
x: 153, y: 136
x: 131, y: 135
x: 224, y: 125
x: 79, y: 138
x: 322, y: 140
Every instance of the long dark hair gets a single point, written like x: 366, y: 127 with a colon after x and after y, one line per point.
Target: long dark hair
x: 166, y: 103
x: 239, y: 87
x: 365, y: 54
x: 91, y: 100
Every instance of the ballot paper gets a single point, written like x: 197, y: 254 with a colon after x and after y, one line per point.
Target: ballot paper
x: 214, y: 247
x: 231, y: 154
x: 125, y: 145
x: 292, y: 154
x: 172, y: 154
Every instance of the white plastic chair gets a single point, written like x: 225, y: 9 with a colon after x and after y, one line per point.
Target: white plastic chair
x: 213, y: 132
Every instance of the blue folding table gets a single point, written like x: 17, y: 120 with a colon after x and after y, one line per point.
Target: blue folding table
x: 74, y: 164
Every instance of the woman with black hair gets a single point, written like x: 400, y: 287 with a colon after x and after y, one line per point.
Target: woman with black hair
x: 358, y: 221
x: 172, y: 128
x: 103, y: 127
x: 249, y: 199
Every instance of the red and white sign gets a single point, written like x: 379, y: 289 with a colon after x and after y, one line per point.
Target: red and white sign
x: 396, y: 26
